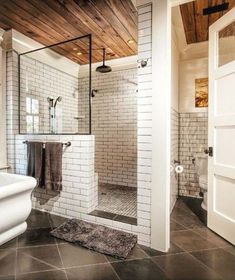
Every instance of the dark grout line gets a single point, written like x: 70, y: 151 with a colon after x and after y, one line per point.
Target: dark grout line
x: 41, y: 261
x: 114, y: 271
x: 58, y: 249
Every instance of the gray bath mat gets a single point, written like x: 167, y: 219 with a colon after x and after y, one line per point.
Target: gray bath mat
x: 96, y: 237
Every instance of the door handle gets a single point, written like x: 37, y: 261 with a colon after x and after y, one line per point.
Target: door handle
x: 209, y: 151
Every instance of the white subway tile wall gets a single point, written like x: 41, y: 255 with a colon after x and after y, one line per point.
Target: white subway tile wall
x: 114, y: 124
x: 78, y: 193
x: 79, y: 175
x: 144, y: 130
x: 12, y: 107
x: 40, y: 81
x: 193, y: 140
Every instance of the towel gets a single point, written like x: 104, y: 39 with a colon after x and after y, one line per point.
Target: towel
x: 53, y: 166
x: 35, y: 161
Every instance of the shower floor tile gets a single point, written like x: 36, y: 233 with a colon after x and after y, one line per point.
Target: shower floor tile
x: 119, y: 200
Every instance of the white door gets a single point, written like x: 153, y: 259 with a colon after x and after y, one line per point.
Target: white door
x: 221, y: 177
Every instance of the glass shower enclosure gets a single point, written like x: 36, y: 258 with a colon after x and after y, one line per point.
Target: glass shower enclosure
x: 51, y: 99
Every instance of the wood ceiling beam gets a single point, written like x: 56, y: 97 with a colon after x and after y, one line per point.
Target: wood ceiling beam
x: 24, y: 22
x: 188, y: 17
x: 99, y: 37
x: 112, y: 23
x: 196, y: 25
x: 117, y: 28
x: 202, y: 21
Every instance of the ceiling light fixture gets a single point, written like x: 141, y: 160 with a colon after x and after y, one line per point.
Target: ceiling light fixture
x: 79, y: 53
x: 131, y: 41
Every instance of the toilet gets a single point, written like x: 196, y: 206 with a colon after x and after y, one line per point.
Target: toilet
x: 201, y: 169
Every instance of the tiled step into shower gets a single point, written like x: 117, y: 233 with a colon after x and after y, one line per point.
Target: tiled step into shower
x: 118, y: 203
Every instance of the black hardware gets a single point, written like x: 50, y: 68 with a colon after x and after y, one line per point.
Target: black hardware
x: 66, y: 144
x: 216, y: 9
x: 176, y: 162
x: 209, y: 151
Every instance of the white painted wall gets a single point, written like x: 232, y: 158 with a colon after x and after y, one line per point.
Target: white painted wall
x: 3, y: 160
x: 22, y: 43
x: 160, y: 210
x: 175, y: 56
x: 189, y: 71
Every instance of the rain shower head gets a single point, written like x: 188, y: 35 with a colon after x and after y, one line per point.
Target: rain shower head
x: 103, y: 68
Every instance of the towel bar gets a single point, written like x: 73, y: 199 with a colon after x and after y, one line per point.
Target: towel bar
x: 67, y: 144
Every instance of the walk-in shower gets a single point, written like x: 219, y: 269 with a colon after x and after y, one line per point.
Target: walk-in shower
x: 49, y: 78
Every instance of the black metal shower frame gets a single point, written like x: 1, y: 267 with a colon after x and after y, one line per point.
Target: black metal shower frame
x: 89, y: 36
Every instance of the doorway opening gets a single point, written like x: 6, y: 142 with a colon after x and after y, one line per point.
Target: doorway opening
x: 189, y: 127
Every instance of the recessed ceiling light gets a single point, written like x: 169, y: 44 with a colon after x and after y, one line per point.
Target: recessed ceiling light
x: 131, y: 41
x: 79, y: 53
x: 75, y: 49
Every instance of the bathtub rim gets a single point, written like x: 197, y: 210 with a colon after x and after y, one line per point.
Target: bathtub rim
x: 19, y: 184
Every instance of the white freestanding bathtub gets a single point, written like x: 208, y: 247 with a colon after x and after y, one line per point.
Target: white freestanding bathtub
x: 15, y: 204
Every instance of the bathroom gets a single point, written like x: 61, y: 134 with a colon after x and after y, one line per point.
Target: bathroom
x: 189, y: 116
x: 48, y: 100
x: 105, y: 138
x: 192, y: 147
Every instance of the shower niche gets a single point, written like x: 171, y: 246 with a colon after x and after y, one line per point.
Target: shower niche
x: 50, y: 99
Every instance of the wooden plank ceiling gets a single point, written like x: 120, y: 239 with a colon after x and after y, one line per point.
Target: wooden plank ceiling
x: 113, y: 24
x: 196, y: 25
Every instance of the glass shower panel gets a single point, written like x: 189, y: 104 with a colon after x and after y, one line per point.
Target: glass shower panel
x: 51, y: 99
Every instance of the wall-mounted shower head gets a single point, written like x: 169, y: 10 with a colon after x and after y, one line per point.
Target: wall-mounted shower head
x: 58, y: 99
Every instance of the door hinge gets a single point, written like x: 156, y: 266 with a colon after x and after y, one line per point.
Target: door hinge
x: 209, y: 151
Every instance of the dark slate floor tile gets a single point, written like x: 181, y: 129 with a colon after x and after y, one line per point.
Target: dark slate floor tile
x: 188, y: 221
x: 56, y: 221
x: 190, y: 241
x: 174, y: 226
x: 209, y: 235
x: 219, y: 260
x: 35, y: 237
x: 125, y: 219
x: 194, y: 205
x: 7, y: 262
x: 11, y: 277
x: 230, y: 249
x: 27, y: 263
x: 38, y: 219
x: 47, y: 275
x: 94, y: 272
x: 10, y: 244
x: 184, y: 267
x: 174, y: 249
x: 103, y: 214
x: 136, y: 253
x: 46, y: 254
x: 138, y: 270
x: 75, y: 255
